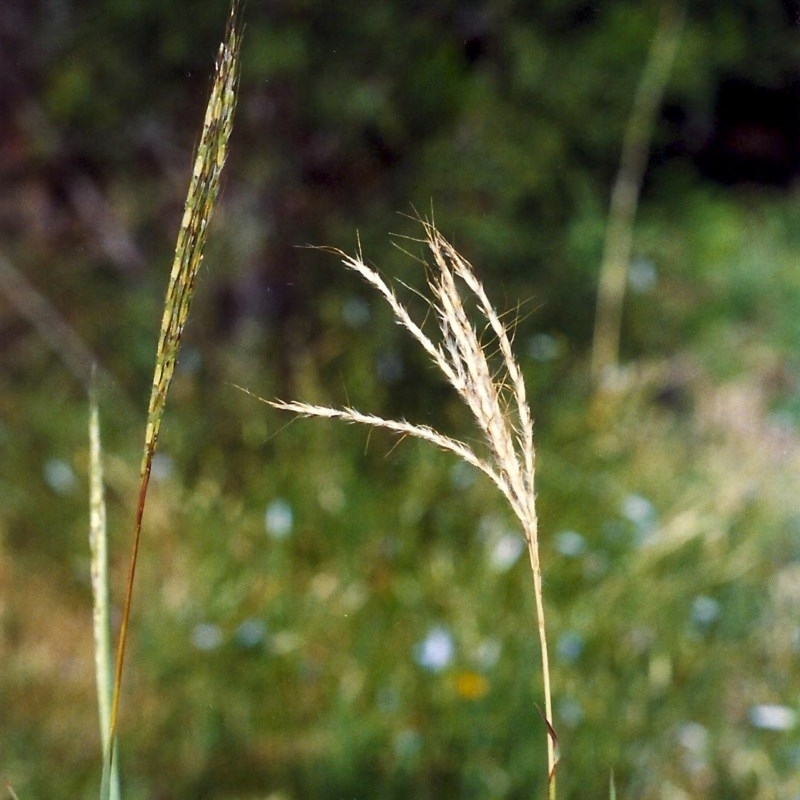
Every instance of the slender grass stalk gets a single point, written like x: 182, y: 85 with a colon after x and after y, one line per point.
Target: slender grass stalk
x: 625, y: 194
x: 494, y: 392
x: 201, y: 199
x: 98, y: 546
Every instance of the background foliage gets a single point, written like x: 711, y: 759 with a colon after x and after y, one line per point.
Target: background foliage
x: 324, y: 616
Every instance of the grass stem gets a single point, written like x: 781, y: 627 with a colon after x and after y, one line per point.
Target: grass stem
x: 625, y: 194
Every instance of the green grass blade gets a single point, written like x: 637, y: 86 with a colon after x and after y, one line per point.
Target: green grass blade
x: 98, y: 547
x: 109, y: 783
x: 201, y: 200
x: 627, y: 188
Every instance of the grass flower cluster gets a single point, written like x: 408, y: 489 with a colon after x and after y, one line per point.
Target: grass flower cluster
x: 201, y: 200
x: 494, y: 393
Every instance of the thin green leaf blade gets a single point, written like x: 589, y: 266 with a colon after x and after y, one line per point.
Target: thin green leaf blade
x: 98, y: 548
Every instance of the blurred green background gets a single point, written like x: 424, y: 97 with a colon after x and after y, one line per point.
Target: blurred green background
x: 321, y: 613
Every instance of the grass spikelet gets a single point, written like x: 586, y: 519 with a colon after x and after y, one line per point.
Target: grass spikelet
x: 494, y: 392
x: 201, y: 200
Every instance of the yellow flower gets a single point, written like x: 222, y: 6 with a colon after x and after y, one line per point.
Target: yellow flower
x: 471, y: 685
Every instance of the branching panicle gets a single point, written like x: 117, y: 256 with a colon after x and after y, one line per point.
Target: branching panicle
x: 495, y: 396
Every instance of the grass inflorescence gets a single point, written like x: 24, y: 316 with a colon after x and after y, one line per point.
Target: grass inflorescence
x: 201, y: 201
x: 492, y: 388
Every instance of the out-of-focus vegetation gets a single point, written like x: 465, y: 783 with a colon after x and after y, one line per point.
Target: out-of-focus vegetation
x: 322, y: 615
